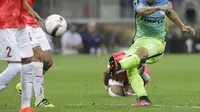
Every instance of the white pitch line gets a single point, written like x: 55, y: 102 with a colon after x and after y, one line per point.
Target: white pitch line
x: 178, y: 106
x: 127, y: 105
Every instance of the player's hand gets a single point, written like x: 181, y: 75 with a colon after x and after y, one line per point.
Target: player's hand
x: 167, y: 8
x: 188, y: 29
x: 36, y: 15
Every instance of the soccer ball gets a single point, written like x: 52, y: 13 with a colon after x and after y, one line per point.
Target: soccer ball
x: 55, y: 25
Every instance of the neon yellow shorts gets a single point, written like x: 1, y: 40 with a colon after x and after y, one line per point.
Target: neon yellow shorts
x: 155, y: 48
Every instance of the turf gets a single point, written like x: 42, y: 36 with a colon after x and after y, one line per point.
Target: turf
x: 75, y: 84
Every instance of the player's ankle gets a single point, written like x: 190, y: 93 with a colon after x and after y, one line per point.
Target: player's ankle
x: 145, y: 97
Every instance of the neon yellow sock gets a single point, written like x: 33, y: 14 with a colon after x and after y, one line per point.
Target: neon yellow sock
x: 130, y: 62
x: 136, y: 82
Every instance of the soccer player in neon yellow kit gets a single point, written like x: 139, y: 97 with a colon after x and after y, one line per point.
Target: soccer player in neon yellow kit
x: 149, y: 42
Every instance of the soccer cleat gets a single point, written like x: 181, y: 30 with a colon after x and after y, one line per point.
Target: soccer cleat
x: 44, y: 103
x: 114, y: 66
x: 19, y: 88
x: 143, y: 101
x: 28, y: 109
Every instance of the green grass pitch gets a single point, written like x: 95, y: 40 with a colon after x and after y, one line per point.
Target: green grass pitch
x: 75, y: 84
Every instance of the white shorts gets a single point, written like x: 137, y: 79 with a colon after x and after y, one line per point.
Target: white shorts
x: 15, y: 44
x: 112, y: 82
x: 39, y: 38
x: 112, y: 94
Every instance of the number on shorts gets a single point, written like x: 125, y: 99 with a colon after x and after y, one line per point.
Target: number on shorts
x: 9, y: 50
x: 30, y: 36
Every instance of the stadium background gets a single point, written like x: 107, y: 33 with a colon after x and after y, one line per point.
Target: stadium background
x: 115, y: 20
x: 75, y: 83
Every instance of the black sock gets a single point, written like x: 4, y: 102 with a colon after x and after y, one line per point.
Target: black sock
x: 144, y: 98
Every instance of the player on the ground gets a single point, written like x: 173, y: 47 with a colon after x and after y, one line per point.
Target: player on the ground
x: 118, y: 84
x: 15, y: 47
x: 42, y: 55
x: 149, y: 42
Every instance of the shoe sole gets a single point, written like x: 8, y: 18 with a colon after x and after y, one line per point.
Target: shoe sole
x: 111, y: 63
x: 143, y: 105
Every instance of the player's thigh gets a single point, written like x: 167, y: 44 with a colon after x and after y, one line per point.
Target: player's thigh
x: 9, y: 50
x: 38, y: 54
x: 134, y: 47
x: 41, y: 37
x: 154, y: 47
x: 24, y: 43
x: 155, y: 50
x: 33, y: 35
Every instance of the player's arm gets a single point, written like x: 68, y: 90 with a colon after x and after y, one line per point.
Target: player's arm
x: 31, y: 11
x: 173, y: 16
x: 147, y: 10
x: 144, y: 10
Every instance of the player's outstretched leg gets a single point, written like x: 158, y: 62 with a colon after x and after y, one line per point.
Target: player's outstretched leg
x: 130, y: 63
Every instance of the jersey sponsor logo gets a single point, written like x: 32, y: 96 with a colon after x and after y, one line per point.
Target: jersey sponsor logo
x: 153, y: 20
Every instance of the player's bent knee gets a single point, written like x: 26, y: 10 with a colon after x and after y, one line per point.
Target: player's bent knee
x: 38, y: 54
x: 142, y: 53
x: 39, y: 58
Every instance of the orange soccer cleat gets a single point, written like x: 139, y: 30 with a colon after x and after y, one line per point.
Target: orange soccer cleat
x: 27, y: 109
